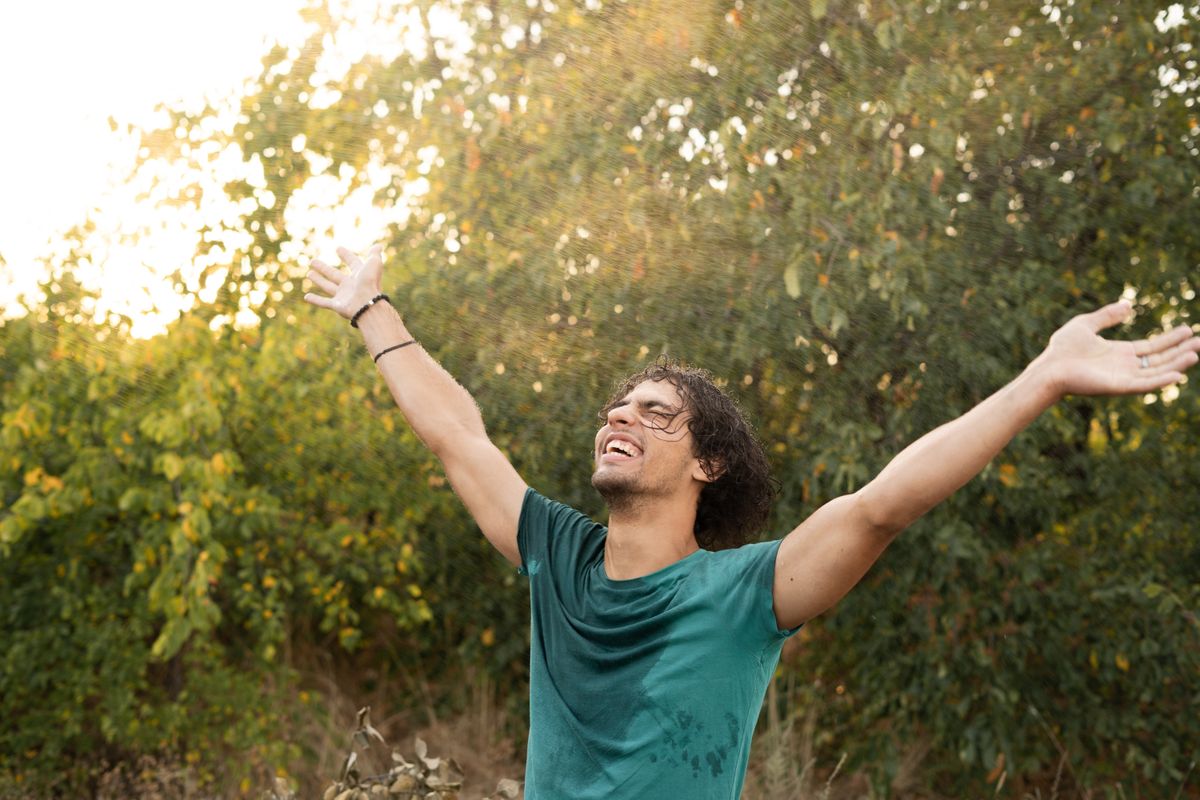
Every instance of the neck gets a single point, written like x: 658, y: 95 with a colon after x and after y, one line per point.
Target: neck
x: 644, y: 537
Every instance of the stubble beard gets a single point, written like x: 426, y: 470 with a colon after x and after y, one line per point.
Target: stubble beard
x: 622, y: 493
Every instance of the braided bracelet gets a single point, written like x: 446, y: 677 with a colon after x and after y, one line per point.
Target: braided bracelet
x: 393, y: 347
x: 363, y: 310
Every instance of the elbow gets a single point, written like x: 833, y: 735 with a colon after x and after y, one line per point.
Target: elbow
x: 444, y: 441
x: 883, y: 519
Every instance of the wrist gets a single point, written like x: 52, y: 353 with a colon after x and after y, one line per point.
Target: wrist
x: 1043, y: 380
x: 365, y: 308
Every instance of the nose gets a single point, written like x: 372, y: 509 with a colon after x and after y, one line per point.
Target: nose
x: 620, y: 416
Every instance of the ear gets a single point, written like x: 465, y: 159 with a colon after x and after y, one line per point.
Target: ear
x: 708, y: 470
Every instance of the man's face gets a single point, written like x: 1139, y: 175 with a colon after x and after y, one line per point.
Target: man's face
x: 645, y: 448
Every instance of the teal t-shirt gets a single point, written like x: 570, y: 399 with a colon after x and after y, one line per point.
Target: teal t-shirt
x: 643, y: 688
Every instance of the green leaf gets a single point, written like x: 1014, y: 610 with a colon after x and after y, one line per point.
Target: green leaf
x: 883, y: 34
x: 172, y: 466
x: 819, y: 8
x: 838, y: 321
x: 791, y: 280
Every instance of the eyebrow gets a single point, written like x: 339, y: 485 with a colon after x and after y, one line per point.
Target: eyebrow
x: 645, y: 404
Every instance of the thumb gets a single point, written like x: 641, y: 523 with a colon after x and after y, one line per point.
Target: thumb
x: 1109, y: 315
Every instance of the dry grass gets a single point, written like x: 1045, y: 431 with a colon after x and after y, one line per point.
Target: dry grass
x: 475, y: 737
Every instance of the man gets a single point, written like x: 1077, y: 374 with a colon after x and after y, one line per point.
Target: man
x: 653, y: 639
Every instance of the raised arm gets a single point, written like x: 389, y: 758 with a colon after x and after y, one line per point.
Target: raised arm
x: 823, y: 558
x: 440, y: 411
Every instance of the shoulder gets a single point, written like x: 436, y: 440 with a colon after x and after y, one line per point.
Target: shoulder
x: 748, y: 554
x: 745, y: 577
x: 748, y: 563
x: 549, y: 531
x: 539, y: 511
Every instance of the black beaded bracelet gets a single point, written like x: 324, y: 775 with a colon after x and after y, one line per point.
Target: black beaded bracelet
x: 363, y: 310
x: 393, y: 347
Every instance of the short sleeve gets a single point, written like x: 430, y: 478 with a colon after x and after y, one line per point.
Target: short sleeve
x: 547, y: 527
x: 750, y: 580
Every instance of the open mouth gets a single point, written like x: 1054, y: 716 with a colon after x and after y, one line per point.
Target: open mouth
x: 620, y: 450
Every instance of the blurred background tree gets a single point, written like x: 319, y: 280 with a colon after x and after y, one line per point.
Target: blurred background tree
x: 863, y: 217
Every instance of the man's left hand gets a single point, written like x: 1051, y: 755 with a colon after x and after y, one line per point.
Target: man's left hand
x: 1079, y: 361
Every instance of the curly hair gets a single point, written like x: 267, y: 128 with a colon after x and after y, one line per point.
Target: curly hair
x: 735, y: 505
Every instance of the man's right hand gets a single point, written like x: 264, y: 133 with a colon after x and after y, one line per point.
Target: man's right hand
x: 342, y: 292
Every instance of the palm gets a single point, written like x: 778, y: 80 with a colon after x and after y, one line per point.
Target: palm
x: 1083, y: 362
x: 346, y: 292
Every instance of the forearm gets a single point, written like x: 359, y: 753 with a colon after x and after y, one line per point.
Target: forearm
x: 936, y: 465
x: 439, y: 410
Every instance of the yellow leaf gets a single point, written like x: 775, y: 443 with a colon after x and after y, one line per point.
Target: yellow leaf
x: 218, y: 464
x: 1122, y: 662
x: 1008, y: 475
x: 488, y: 637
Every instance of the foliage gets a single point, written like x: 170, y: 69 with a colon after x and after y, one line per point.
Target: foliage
x: 867, y: 216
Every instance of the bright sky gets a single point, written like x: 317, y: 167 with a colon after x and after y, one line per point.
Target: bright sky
x: 66, y: 66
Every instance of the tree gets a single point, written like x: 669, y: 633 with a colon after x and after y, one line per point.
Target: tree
x: 866, y: 217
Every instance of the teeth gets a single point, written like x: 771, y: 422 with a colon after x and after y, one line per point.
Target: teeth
x: 623, y: 448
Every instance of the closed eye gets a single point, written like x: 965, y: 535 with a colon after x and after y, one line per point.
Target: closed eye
x: 654, y: 414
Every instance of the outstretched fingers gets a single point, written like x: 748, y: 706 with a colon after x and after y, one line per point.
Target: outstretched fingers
x: 330, y: 276
x: 349, y: 258
x: 321, y: 282
x: 1163, y: 360
x: 1152, y: 382
x: 319, y: 301
x: 1176, y: 350
x: 325, y: 278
